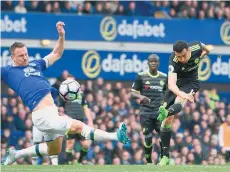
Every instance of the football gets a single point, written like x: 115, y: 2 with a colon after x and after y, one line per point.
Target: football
x: 69, y: 89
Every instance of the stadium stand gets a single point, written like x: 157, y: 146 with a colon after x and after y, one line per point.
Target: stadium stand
x: 218, y: 10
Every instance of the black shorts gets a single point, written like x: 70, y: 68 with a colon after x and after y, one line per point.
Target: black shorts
x: 170, y: 97
x: 148, y: 124
x: 75, y: 136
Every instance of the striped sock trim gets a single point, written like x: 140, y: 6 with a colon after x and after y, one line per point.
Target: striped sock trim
x: 91, y: 136
x: 84, y: 150
x: 37, y: 150
x: 68, y: 151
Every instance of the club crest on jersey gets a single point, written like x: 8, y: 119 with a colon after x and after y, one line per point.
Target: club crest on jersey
x: 196, y: 60
x: 30, y: 71
x: 162, y: 83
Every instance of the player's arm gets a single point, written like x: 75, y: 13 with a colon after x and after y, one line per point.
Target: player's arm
x: 59, y: 47
x: 206, y: 49
x: 87, y: 111
x: 172, y: 80
x: 88, y: 115
x: 135, y: 90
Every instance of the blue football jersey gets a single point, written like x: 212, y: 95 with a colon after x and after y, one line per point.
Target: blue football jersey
x: 28, y: 81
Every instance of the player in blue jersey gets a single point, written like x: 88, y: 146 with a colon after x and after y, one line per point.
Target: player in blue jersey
x: 27, y: 80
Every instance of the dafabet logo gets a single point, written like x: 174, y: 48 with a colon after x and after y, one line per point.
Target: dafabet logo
x: 110, y: 29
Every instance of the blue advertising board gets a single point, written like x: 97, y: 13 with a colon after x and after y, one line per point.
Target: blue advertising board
x: 123, y: 66
x: 114, y: 28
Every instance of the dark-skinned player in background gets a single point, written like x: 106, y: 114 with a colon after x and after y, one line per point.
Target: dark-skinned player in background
x: 149, y: 87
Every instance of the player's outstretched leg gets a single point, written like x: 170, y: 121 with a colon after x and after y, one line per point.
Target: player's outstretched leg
x: 99, y: 135
x: 55, y: 148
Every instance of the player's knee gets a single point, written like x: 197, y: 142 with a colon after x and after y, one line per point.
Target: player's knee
x: 70, y: 144
x: 180, y: 100
x: 86, y: 144
x: 76, y: 127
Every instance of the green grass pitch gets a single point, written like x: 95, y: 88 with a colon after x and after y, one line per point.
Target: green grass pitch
x: 113, y: 168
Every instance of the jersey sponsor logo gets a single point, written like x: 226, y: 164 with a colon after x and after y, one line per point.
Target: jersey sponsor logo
x: 183, y: 68
x: 31, y: 71
x: 110, y: 29
x: 171, y: 69
x: 32, y: 64
x: 225, y: 32
x: 155, y: 87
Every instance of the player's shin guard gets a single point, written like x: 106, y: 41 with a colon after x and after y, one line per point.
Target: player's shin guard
x: 165, y: 139
x: 36, y: 150
x: 83, y: 154
x: 174, y: 109
x: 69, y: 156
x: 148, y: 148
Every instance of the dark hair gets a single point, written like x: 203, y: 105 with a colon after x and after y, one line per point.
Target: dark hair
x: 154, y: 56
x: 179, y: 46
x: 16, y: 45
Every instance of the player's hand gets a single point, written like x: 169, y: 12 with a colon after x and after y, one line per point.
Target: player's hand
x: 189, y: 96
x: 60, y: 28
x: 144, y: 100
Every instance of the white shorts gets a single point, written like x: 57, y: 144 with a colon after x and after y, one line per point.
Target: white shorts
x: 37, y: 135
x: 48, y: 121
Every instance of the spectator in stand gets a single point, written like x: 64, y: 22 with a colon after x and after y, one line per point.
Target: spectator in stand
x: 99, y: 8
x: 67, y: 8
x: 48, y: 8
x: 7, y: 5
x: 87, y: 8
x: 56, y: 7
x: 79, y: 9
x: 172, y: 13
x: 107, y: 9
x: 132, y: 9
x: 33, y: 6
x: 201, y: 15
x: 175, y: 5
x: 120, y: 10
x: 224, y: 135
x: 20, y: 8
x: 192, y: 13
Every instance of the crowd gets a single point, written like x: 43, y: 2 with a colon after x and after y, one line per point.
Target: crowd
x: 167, y: 9
x: 195, y: 130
